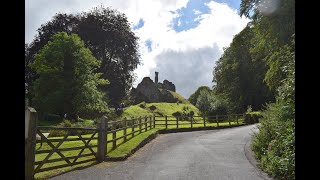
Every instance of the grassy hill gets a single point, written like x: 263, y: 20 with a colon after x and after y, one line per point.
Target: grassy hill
x: 162, y: 109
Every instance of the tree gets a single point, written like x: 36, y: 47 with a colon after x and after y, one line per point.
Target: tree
x: 239, y: 77
x: 193, y: 97
x: 212, y: 104
x: 108, y: 35
x: 67, y: 82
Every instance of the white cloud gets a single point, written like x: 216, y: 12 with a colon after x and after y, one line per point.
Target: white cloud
x: 171, y: 51
x: 179, y: 50
x: 196, y: 12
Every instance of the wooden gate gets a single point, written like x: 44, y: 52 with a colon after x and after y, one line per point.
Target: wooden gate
x: 55, y: 146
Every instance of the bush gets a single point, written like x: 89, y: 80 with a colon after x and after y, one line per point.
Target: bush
x: 177, y: 114
x: 65, y: 123
x: 252, y: 117
x: 142, y: 105
x: 274, y: 144
x: 152, y: 108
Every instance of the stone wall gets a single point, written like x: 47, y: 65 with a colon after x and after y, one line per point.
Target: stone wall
x: 148, y: 91
x: 169, y: 86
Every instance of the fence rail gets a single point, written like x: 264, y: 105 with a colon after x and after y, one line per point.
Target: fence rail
x: 107, y: 133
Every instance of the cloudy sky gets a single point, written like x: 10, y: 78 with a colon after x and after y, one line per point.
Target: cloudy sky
x: 181, y: 39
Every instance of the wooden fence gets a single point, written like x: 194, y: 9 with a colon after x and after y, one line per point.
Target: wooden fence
x: 96, y: 140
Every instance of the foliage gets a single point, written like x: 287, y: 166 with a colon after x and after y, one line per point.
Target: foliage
x: 65, y: 123
x: 274, y: 144
x: 193, y: 97
x: 67, y: 82
x: 252, y: 117
x: 178, y: 115
x: 152, y: 108
x: 107, y: 33
x: 211, y: 104
x: 185, y: 114
x: 142, y: 105
x: 249, y: 109
x: 240, y: 77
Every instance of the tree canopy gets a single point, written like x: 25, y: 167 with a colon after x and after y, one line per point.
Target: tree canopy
x: 107, y: 33
x: 67, y: 80
x: 193, y: 97
x: 238, y: 76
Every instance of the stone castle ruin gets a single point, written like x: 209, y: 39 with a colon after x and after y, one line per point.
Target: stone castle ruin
x: 149, y: 91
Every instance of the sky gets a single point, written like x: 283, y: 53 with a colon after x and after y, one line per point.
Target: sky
x: 180, y: 39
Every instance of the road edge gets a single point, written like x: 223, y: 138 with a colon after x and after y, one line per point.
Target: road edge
x: 250, y: 156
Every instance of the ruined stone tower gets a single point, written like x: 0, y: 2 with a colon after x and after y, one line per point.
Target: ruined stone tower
x: 156, y: 78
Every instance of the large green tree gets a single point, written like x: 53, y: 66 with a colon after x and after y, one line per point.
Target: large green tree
x: 238, y: 76
x: 67, y: 80
x: 107, y: 33
x: 193, y: 97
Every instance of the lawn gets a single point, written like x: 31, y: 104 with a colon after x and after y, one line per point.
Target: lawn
x: 162, y: 109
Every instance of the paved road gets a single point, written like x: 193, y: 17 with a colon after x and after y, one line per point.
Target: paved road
x: 198, y: 155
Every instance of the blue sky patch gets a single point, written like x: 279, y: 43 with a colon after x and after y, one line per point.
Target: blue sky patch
x: 189, y: 17
x: 139, y: 25
x: 234, y: 4
x: 148, y: 43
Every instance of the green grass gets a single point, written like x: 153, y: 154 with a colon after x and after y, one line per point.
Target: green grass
x: 180, y: 98
x: 135, y: 111
x: 162, y: 109
x: 86, y: 121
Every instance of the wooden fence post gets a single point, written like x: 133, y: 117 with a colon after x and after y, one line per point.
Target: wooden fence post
x: 204, y: 121
x: 107, y: 126
x: 145, y: 123
x: 229, y: 119
x: 150, y: 117
x: 217, y: 120
x: 140, y: 125
x: 154, y: 121
x: 30, y: 141
x: 166, y: 121
x: 102, y: 140
x: 114, y: 136
x: 191, y: 123
x: 132, y: 126
x: 177, y: 122
x: 125, y: 130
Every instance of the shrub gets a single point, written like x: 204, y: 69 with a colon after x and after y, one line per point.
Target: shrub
x: 65, y: 123
x: 274, y: 144
x: 252, y: 117
x: 142, y: 105
x: 177, y: 114
x: 152, y: 108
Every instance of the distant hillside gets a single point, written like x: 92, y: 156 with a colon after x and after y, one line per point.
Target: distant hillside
x: 162, y: 109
